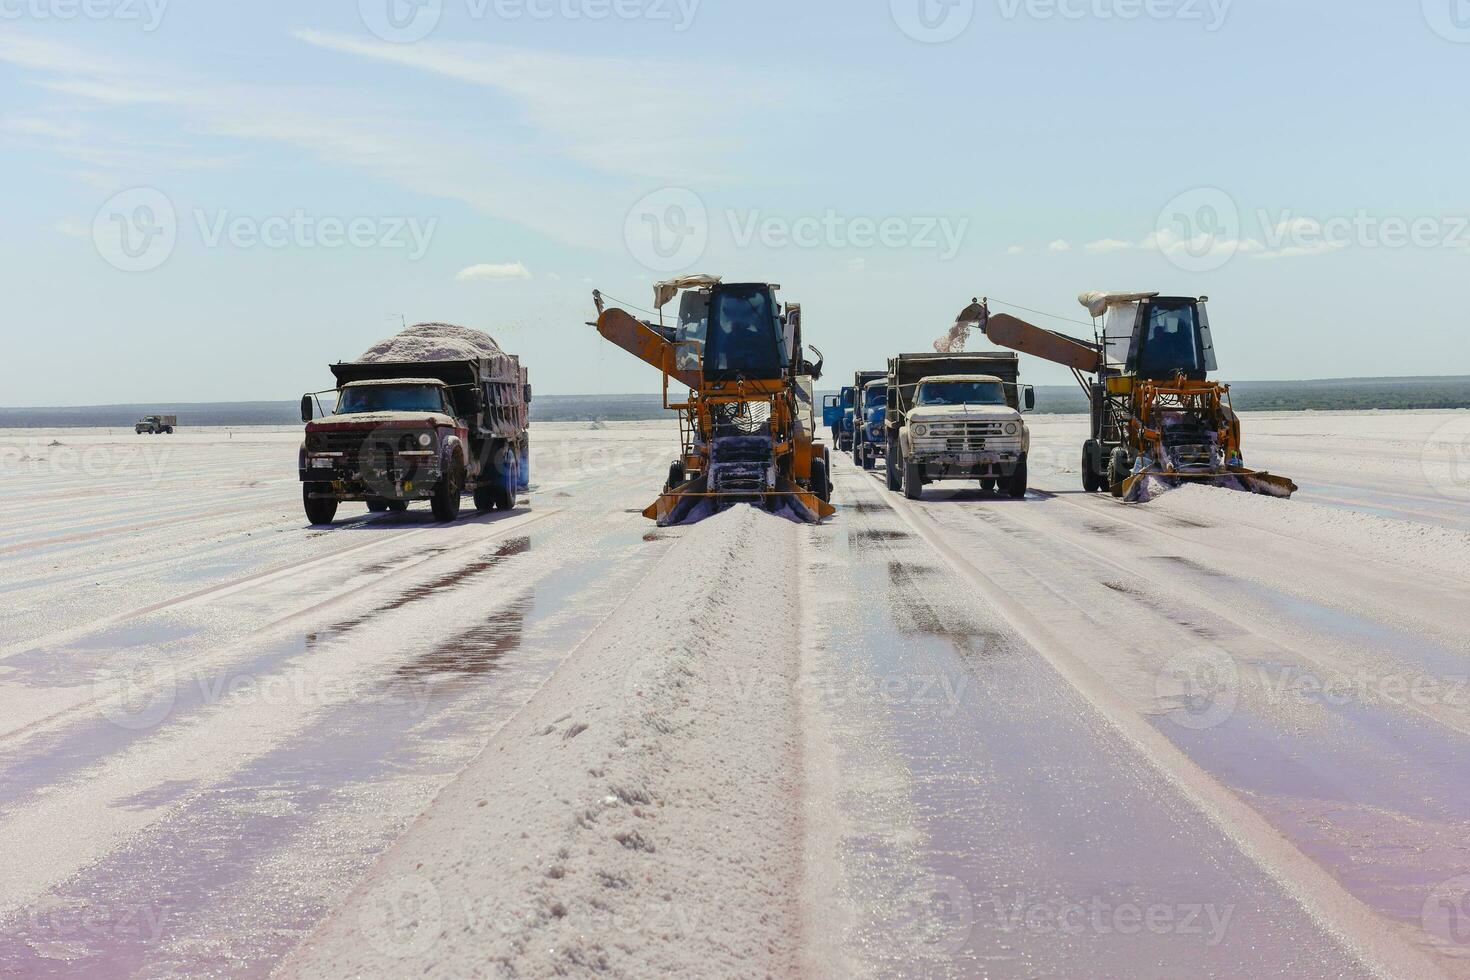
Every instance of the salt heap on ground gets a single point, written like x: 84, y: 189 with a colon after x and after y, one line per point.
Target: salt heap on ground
x: 433, y: 342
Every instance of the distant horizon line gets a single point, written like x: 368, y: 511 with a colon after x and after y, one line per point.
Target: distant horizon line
x: 656, y: 394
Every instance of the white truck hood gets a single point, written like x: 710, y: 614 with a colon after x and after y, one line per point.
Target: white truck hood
x: 964, y: 413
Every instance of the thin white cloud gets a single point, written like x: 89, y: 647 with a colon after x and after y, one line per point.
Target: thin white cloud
x: 493, y: 272
x: 1107, y: 245
x: 1015, y: 250
x: 1060, y: 245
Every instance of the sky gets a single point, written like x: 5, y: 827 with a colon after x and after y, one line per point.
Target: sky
x: 212, y: 202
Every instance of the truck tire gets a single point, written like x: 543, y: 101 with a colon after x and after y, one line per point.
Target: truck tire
x: 988, y: 484
x: 1118, y: 468
x: 168, y: 430
x: 507, y: 479
x: 397, y: 506
x: 892, y: 462
x: 869, y: 462
x: 318, y: 511
x: 377, y: 506
x: 446, y: 501
x: 913, y: 481
x: 485, y: 497
x: 1016, y: 485
x: 859, y: 452
x: 1091, y: 480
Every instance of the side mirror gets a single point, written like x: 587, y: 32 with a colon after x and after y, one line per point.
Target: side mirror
x: 528, y: 394
x: 892, y: 400
x: 307, y: 410
x: 1030, y: 399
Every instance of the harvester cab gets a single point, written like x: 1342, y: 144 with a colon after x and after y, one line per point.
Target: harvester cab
x: 1156, y: 415
x: 748, y: 424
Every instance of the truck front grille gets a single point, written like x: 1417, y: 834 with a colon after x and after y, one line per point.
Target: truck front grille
x: 966, y: 437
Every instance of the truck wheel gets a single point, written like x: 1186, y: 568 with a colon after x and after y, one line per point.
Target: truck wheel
x: 1091, y: 481
x: 447, y: 494
x: 168, y: 430
x: 485, y: 498
x: 913, y: 481
x: 506, y: 479
x: 318, y: 511
x: 821, y: 484
x: 397, y: 506
x: 988, y: 484
x: 378, y: 506
x: 891, y: 464
x: 1016, y: 485
x: 1118, y: 471
x: 870, y: 460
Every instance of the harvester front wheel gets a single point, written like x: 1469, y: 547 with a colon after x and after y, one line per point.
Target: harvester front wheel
x: 821, y: 482
x: 1118, y: 468
x: 892, y: 463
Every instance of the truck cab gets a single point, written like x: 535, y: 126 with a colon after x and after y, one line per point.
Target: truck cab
x: 837, y: 415
x: 951, y: 424
x: 869, y: 442
x: 155, y: 425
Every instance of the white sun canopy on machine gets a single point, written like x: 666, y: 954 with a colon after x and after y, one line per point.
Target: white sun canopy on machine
x: 1121, y: 311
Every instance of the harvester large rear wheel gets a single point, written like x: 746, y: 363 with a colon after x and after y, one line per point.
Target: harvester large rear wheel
x: 1092, y: 481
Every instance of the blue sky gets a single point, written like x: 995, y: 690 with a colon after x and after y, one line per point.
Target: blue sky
x: 209, y: 201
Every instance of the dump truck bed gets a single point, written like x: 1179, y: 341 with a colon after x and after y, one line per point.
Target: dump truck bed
x: 906, y: 370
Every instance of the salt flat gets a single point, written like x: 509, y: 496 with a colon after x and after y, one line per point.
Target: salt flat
x: 963, y: 736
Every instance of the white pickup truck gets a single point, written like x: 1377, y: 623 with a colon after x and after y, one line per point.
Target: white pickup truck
x: 962, y: 426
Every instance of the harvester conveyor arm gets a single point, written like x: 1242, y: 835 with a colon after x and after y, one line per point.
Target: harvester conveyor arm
x: 646, y: 344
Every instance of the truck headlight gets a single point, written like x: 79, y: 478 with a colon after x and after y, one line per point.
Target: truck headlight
x: 921, y: 430
x: 1012, y: 428
x: 424, y: 439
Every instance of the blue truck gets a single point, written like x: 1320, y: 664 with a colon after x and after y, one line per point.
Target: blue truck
x: 869, y: 440
x: 837, y: 415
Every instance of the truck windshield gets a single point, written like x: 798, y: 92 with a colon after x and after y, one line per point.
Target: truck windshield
x: 391, y: 398
x: 874, y: 397
x: 961, y: 393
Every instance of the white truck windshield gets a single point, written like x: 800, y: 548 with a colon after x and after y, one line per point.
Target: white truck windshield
x: 961, y: 393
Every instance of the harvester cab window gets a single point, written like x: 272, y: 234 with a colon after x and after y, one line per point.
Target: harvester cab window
x: 1170, y: 343
x: 744, y: 337
x: 391, y: 398
x: 961, y: 393
x: 693, y: 328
